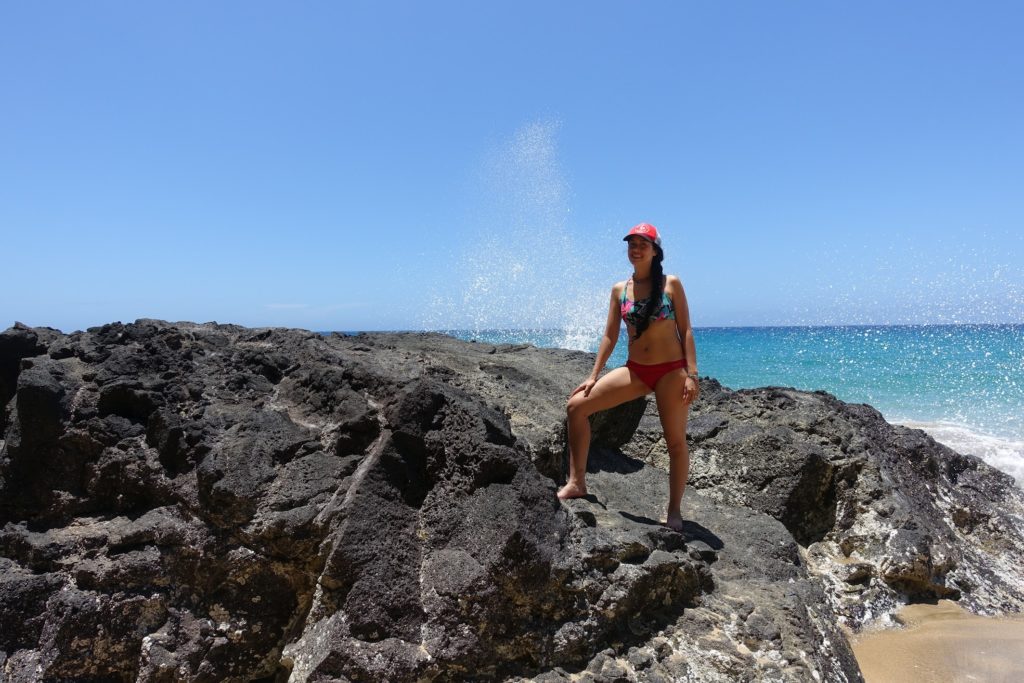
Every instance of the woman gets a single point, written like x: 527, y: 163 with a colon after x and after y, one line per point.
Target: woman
x: 662, y: 359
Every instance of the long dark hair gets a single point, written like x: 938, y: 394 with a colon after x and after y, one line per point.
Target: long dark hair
x: 653, y: 302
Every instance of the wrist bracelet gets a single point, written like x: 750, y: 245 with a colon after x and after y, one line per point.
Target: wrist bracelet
x: 692, y: 375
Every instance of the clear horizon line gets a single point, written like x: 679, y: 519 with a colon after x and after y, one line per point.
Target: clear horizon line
x: 696, y: 328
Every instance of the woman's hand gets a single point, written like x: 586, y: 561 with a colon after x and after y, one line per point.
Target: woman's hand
x: 585, y: 387
x: 690, y: 390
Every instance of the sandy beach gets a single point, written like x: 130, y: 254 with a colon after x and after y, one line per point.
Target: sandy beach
x: 943, y: 644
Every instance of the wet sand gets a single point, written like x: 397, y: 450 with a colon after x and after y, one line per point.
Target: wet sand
x: 943, y: 644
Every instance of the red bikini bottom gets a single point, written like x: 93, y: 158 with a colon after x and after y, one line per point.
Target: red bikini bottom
x: 650, y: 374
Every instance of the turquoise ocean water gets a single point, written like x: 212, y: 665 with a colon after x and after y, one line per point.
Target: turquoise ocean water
x: 963, y: 384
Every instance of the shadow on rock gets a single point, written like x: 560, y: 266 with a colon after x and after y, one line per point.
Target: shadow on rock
x: 610, y: 460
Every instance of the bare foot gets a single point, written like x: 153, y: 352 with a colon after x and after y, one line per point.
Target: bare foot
x: 674, y: 521
x: 572, y: 491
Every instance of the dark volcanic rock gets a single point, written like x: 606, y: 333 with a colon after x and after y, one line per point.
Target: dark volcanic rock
x: 886, y: 515
x: 766, y: 618
x: 212, y: 502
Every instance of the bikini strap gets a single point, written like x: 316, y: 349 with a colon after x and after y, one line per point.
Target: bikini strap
x: 624, y: 286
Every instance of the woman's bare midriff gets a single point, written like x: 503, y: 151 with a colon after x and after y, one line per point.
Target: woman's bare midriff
x: 658, y: 344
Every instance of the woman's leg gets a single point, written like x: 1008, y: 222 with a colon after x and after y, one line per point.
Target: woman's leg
x: 618, y: 386
x: 674, y: 412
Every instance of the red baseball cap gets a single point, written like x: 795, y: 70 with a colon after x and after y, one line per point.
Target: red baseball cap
x: 645, y: 230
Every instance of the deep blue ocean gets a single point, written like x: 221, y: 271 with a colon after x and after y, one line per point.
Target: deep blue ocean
x: 963, y: 384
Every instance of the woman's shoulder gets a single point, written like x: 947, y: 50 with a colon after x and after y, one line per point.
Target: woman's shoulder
x: 672, y: 280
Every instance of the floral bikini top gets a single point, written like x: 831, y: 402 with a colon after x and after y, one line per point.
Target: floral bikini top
x: 631, y: 309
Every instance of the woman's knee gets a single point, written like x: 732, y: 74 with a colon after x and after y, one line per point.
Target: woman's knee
x: 676, y: 445
x: 576, y: 406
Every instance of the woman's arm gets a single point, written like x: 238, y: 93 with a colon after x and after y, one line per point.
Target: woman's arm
x: 608, y: 341
x: 611, y: 334
x: 683, y: 323
x: 685, y: 330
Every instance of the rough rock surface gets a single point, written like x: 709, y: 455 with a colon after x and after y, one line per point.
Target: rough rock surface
x: 883, y: 513
x: 212, y: 502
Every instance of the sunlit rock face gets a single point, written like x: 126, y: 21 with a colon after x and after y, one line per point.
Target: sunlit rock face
x: 212, y: 502
x: 884, y: 514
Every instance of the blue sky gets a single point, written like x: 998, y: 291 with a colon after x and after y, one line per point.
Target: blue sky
x: 393, y: 165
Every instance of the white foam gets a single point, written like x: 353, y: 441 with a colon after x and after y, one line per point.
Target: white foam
x: 1002, y: 453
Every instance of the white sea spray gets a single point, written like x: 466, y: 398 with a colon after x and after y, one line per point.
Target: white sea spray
x: 1006, y: 454
x: 523, y: 266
